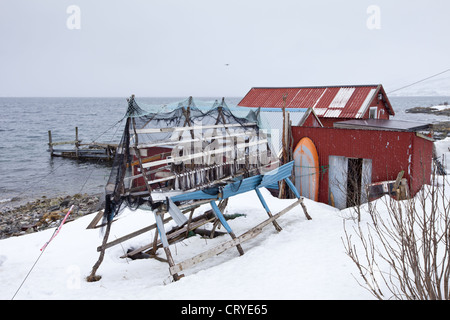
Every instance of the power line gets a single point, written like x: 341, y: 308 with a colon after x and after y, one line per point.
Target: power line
x: 409, y: 85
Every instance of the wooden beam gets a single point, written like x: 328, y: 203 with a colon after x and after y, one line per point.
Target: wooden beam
x: 170, y: 236
x: 203, y: 154
x: 132, y: 235
x: 177, y: 129
x: 295, y: 191
x: 50, y: 144
x: 179, y: 175
x: 176, y: 142
x: 266, y: 207
x: 77, y: 143
x: 398, y: 180
x: 95, y: 221
x: 205, y: 218
x: 151, y: 158
x: 61, y: 142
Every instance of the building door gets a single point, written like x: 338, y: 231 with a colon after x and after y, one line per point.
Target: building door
x: 348, y: 178
x: 354, y: 179
x: 337, y: 181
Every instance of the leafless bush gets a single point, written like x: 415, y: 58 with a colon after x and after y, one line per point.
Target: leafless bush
x: 405, y: 245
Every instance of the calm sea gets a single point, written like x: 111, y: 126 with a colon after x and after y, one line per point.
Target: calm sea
x: 27, y: 171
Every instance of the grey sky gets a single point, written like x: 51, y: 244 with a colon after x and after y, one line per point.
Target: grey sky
x: 181, y: 48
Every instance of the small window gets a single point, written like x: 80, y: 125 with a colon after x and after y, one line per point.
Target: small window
x: 373, y: 113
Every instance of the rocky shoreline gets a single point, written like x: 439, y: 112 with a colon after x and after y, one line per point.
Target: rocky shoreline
x: 430, y: 110
x: 44, y: 213
x: 441, y: 129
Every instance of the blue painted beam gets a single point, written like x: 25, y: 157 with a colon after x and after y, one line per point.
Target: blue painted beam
x: 277, y: 174
x: 220, y: 216
x: 263, y: 202
x: 292, y: 187
x: 241, y: 186
x: 196, y: 195
x: 161, y: 230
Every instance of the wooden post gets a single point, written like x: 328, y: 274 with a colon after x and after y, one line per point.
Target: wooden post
x: 138, y: 155
x: 222, y: 220
x: 93, y: 277
x: 282, y: 191
x: 266, y: 207
x: 50, y: 145
x: 284, y: 145
x: 294, y: 190
x: 165, y: 242
x: 76, y: 142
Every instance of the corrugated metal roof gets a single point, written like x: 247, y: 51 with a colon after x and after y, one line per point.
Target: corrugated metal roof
x: 379, y: 124
x: 327, y: 102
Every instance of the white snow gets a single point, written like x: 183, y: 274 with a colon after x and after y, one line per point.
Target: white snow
x: 306, y: 260
x: 440, y: 107
x: 443, y: 152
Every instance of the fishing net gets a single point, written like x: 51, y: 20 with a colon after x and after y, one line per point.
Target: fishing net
x: 185, y: 146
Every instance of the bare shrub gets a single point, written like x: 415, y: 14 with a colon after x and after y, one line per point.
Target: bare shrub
x: 403, y: 252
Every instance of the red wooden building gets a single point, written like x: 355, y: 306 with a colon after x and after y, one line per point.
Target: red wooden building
x: 358, y: 141
x: 330, y: 104
x: 351, y: 154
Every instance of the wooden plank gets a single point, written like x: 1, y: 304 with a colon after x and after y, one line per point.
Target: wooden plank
x: 266, y: 207
x: 203, y: 154
x: 231, y: 243
x: 174, y: 176
x: 100, y: 144
x: 185, y: 208
x: 132, y: 235
x: 151, y: 158
x: 161, y: 230
x: 63, y: 142
x: 96, y: 219
x: 170, y: 236
x: 147, y: 172
x: 398, y: 180
x: 176, y: 213
x: 178, y: 129
x: 91, y: 151
x: 176, y: 142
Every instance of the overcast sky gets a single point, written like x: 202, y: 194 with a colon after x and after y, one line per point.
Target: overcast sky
x: 216, y: 48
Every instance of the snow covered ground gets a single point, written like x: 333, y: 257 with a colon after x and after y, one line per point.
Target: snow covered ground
x: 443, y: 152
x: 306, y: 260
x: 441, y: 107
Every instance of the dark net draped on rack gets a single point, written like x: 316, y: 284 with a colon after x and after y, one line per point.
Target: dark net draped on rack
x: 182, y: 147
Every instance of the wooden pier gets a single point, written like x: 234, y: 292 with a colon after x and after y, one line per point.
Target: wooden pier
x: 82, y: 151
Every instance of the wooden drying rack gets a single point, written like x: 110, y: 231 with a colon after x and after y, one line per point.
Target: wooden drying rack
x: 240, y: 179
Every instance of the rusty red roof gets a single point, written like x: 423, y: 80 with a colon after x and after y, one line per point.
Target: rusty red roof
x: 327, y: 102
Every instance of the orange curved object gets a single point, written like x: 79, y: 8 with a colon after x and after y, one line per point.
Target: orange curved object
x: 306, y: 164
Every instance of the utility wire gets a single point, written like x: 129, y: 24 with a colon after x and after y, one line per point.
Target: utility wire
x: 409, y: 85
